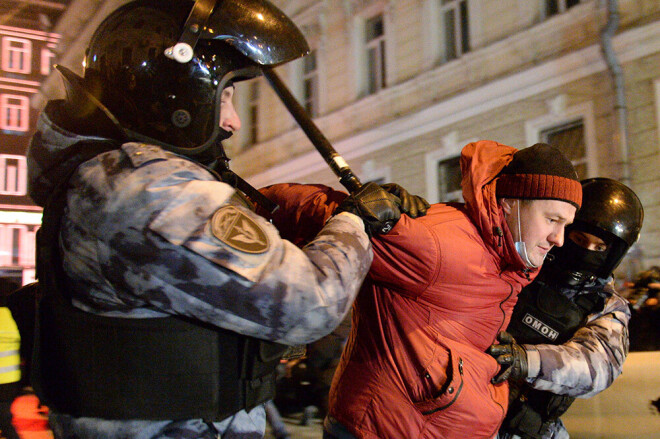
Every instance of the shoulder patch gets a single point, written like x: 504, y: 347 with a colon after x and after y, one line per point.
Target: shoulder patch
x: 239, y: 231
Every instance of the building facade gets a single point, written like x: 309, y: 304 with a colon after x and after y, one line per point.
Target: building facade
x: 400, y: 86
x: 26, y: 58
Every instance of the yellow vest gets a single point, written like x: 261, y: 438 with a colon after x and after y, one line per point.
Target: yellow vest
x: 10, y: 342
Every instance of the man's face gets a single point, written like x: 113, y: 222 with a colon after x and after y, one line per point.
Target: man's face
x: 542, y: 224
x: 229, y: 120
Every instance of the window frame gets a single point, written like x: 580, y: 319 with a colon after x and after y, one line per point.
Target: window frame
x: 558, y: 115
x: 19, y: 175
x: 310, y: 102
x: 9, y: 54
x: 45, y: 66
x: 16, y: 254
x: 252, y: 108
x: 358, y: 42
x: 561, y: 8
x: 455, y: 195
x: 436, y: 53
x: 11, y: 113
x: 450, y: 147
x: 376, y: 55
x: 313, y: 24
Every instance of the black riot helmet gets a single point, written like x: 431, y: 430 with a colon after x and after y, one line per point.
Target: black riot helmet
x: 612, y: 212
x: 156, y: 68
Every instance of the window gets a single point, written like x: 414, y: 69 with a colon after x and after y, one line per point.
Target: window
x: 571, y: 129
x: 569, y: 138
x: 13, y: 175
x: 29, y: 244
x: 454, y: 26
x: 9, y: 244
x: 16, y: 245
x: 253, y: 112
x: 443, y: 169
x: 16, y: 55
x: 14, y: 112
x: 46, y: 61
x: 554, y: 7
x: 375, y: 47
x: 449, y: 180
x: 310, y: 84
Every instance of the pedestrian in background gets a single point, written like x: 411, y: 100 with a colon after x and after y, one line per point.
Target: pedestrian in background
x: 10, y: 368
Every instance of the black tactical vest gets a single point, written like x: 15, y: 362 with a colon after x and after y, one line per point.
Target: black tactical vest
x: 156, y: 369
x: 170, y: 368
x: 543, y: 316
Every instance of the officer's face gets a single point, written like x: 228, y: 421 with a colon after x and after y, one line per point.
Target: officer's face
x: 229, y: 120
x: 587, y: 240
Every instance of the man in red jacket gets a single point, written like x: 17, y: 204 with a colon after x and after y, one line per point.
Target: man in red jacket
x: 439, y: 290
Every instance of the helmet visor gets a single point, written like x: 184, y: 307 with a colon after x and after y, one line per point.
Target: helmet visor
x: 258, y: 30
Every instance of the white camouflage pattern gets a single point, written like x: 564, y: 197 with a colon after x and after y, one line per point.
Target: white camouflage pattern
x: 138, y: 241
x: 591, y: 360
x: 586, y: 364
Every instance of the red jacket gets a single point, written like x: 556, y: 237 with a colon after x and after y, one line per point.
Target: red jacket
x: 440, y: 289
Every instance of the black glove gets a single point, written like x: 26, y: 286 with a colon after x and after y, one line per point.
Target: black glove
x: 413, y: 205
x: 378, y: 209
x: 511, y: 357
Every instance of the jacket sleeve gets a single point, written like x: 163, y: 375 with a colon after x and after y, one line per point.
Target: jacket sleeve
x: 590, y: 361
x: 407, y: 258
x: 303, y: 209
x: 164, y: 237
x: 401, y: 261
x: 249, y: 280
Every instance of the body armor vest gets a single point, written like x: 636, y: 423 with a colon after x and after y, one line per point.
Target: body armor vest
x: 157, y: 369
x: 170, y: 368
x: 543, y: 316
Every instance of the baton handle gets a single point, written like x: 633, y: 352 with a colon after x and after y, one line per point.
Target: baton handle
x: 336, y: 162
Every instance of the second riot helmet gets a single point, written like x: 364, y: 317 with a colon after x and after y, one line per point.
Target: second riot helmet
x: 610, y: 211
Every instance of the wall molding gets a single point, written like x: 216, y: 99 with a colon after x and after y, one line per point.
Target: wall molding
x: 629, y: 46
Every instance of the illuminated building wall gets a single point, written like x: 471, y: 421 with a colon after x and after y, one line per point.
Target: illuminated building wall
x: 26, y: 57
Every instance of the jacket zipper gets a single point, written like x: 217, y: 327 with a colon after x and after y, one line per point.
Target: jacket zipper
x: 500, y: 328
x: 502, y: 309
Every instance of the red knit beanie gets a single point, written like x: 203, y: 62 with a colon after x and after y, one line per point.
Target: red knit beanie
x: 540, y: 172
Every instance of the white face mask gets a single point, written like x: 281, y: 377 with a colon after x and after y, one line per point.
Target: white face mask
x: 520, y: 245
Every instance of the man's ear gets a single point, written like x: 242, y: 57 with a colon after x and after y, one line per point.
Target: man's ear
x: 507, y: 205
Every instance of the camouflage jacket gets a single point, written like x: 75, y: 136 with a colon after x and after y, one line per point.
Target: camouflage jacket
x: 591, y: 360
x: 147, y: 233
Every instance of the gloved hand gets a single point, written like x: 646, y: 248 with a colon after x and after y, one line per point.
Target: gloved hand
x: 379, y: 209
x: 413, y: 205
x: 511, y: 357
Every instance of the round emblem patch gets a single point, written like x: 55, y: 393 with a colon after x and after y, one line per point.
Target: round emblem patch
x: 238, y: 230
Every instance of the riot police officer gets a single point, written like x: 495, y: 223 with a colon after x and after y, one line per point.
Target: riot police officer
x: 167, y: 301
x: 568, y: 335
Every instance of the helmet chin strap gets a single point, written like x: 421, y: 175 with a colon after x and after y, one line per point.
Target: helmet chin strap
x: 220, y: 165
x: 520, y: 245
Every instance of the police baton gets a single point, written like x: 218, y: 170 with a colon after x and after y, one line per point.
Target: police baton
x: 322, y: 145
